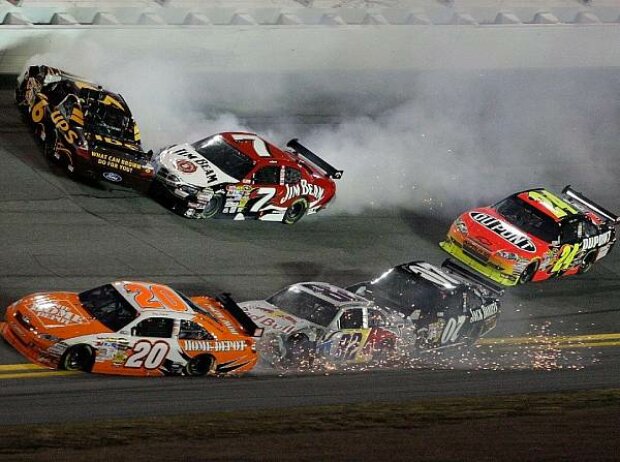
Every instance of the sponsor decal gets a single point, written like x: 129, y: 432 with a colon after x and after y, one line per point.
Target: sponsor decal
x: 186, y: 166
x: 303, y: 188
x: 116, y: 163
x: 484, y: 312
x: 504, y: 231
x: 57, y: 313
x: 114, y: 177
x: 596, y: 241
x: 62, y: 125
x: 274, y: 324
x: 201, y: 162
x: 237, y: 197
x: 210, y: 345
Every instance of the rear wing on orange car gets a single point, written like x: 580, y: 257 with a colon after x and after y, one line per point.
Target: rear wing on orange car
x: 240, y: 316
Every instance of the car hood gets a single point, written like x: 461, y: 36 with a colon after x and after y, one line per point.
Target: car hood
x: 490, y: 229
x: 60, y: 314
x: 273, y: 319
x: 191, y: 167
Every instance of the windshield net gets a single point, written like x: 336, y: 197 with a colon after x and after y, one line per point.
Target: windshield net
x: 224, y: 156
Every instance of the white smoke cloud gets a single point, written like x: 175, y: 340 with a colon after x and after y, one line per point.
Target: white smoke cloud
x: 441, y: 141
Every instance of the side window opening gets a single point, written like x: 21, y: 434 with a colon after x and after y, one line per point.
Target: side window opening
x: 376, y: 319
x: 191, y: 330
x: 291, y: 175
x: 352, y: 319
x: 154, y: 327
x: 268, y: 175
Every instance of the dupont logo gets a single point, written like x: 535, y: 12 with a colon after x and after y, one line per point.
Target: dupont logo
x: 517, y: 239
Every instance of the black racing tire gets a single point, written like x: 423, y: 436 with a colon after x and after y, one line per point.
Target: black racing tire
x: 215, y: 206
x: 49, y: 145
x: 199, y: 366
x: 528, y: 273
x: 78, y: 358
x: 295, y: 212
x: 586, y: 264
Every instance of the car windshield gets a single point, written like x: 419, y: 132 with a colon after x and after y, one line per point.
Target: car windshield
x: 402, y: 291
x: 111, y: 122
x: 108, y: 307
x: 304, y: 305
x: 528, y: 219
x: 224, y: 156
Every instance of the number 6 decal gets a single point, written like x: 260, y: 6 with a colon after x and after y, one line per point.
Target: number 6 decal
x: 147, y: 355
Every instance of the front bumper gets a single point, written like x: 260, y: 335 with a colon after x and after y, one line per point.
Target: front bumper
x: 26, y: 347
x: 489, y: 270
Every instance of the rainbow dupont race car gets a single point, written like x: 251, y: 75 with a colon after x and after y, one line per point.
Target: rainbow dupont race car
x: 447, y: 306
x: 132, y: 328
x: 86, y: 129
x: 240, y: 175
x: 317, y: 323
x: 533, y: 235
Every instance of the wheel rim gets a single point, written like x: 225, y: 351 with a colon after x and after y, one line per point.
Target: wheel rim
x: 212, y: 207
x: 527, y: 274
x: 295, y: 212
x: 77, y: 359
x: 198, y: 366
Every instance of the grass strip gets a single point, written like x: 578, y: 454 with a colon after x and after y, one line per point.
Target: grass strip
x: 21, y: 439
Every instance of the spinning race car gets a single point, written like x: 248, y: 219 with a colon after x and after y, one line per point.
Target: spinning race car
x: 446, y: 307
x: 316, y: 320
x: 132, y: 328
x: 533, y: 235
x: 240, y: 175
x: 85, y: 128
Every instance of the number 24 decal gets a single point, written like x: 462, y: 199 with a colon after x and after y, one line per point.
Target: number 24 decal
x: 147, y: 355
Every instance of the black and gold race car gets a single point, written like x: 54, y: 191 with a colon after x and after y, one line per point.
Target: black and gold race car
x: 85, y: 128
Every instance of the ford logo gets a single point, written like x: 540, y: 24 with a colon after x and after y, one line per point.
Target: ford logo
x: 114, y: 177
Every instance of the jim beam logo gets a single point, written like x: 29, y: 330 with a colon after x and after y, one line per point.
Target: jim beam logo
x: 303, y: 188
x: 201, y: 162
x: 493, y: 224
x: 221, y: 345
x: 484, y: 312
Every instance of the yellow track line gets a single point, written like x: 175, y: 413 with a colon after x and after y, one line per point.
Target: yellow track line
x: 21, y: 367
x: 576, y: 339
x: 31, y: 375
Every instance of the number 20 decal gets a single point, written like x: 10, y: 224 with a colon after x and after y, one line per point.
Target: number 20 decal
x: 155, y: 297
x: 147, y: 355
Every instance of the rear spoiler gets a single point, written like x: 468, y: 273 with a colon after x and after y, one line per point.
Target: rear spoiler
x: 303, y: 151
x: 583, y: 200
x: 471, y: 277
x: 236, y: 312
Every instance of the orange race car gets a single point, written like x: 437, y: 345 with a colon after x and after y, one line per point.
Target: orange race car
x: 133, y: 328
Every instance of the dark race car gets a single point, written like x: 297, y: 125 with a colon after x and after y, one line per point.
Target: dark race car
x: 240, y: 175
x: 446, y: 307
x: 533, y: 235
x: 87, y: 129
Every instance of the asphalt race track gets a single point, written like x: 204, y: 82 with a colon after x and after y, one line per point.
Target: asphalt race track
x: 61, y: 234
